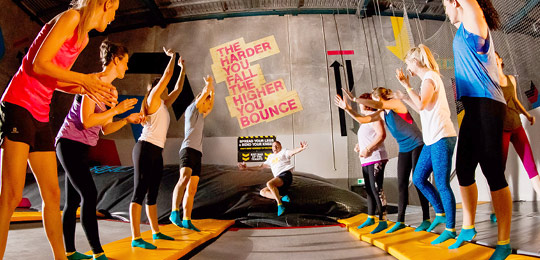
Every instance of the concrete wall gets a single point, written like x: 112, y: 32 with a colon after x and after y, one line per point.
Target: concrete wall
x: 18, y: 32
x: 304, y: 66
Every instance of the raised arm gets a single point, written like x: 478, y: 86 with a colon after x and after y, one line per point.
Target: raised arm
x: 531, y: 118
x: 89, y: 118
x: 211, y: 103
x: 473, y: 18
x: 179, y: 85
x: 303, y: 146
x: 344, y: 104
x: 427, y: 89
x: 393, y: 104
x: 154, y: 98
x: 209, y: 85
x: 43, y: 64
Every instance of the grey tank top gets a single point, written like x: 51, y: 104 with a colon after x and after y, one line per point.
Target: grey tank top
x: 193, y: 128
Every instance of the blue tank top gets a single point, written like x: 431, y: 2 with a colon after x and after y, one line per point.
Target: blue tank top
x: 476, y: 74
x: 407, y: 135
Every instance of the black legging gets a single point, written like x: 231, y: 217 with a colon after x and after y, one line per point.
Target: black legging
x: 406, y: 163
x: 80, y: 189
x: 374, y: 174
x: 148, y: 164
x: 480, y: 142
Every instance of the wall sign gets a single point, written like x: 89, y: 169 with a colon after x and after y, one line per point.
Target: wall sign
x: 254, y: 148
x: 251, y: 99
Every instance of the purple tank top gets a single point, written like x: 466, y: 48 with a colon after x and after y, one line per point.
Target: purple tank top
x: 73, y: 128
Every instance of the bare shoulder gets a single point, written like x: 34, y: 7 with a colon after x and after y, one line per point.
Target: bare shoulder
x: 70, y: 16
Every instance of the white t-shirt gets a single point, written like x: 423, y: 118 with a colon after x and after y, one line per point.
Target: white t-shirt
x: 279, y: 162
x: 435, y: 118
x: 366, y: 134
x: 156, y: 126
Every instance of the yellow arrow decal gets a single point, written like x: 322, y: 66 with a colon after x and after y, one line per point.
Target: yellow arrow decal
x: 402, y: 38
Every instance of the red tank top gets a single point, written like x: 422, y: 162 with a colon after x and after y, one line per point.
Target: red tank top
x: 34, y: 92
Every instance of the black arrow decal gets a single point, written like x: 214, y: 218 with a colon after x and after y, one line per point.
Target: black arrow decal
x: 337, y: 75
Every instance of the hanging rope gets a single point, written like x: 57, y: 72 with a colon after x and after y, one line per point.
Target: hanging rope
x: 329, y: 96
x: 290, y: 81
x: 419, y: 25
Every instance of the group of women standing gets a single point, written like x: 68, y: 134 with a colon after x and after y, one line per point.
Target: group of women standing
x: 487, y: 94
x: 26, y: 133
x: 484, y: 136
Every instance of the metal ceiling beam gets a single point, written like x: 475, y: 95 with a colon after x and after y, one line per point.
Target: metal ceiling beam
x: 221, y: 16
x: 55, y: 9
x: 156, y: 13
x: 364, y: 5
x: 33, y: 16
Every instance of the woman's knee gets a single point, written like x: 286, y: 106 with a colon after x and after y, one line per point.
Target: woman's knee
x: 418, y: 181
x: 51, y: 195
x: 11, y: 197
x: 184, y: 178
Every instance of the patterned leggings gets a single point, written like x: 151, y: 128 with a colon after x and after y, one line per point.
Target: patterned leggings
x: 437, y: 158
x: 374, y: 176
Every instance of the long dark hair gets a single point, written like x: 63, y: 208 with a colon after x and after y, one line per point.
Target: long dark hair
x: 110, y: 50
x: 491, y: 14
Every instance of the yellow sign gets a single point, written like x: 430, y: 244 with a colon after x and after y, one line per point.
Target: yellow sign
x: 252, y: 100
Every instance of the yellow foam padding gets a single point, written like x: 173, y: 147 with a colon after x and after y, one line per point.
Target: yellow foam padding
x: 405, y: 244
x: 354, y: 221
x: 26, y: 216
x: 185, y: 240
x: 31, y: 216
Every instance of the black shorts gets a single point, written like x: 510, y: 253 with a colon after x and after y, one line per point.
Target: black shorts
x: 286, y: 177
x: 191, y: 158
x: 18, y: 124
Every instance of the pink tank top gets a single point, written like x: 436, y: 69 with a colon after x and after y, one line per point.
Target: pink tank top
x: 34, y: 92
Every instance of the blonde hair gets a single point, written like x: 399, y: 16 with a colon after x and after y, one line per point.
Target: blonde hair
x: 423, y: 55
x: 87, y: 9
x: 383, y: 93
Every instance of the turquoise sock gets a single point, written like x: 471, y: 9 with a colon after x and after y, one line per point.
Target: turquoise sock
x: 280, y: 210
x: 186, y: 223
x: 367, y: 223
x: 286, y: 198
x: 175, y: 218
x: 493, y: 218
x: 501, y: 252
x: 396, y: 227
x: 160, y: 235
x: 78, y: 256
x: 142, y: 244
x: 425, y: 225
x: 382, y: 226
x: 101, y: 257
x: 438, y: 220
x: 447, y: 234
x: 464, y: 235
